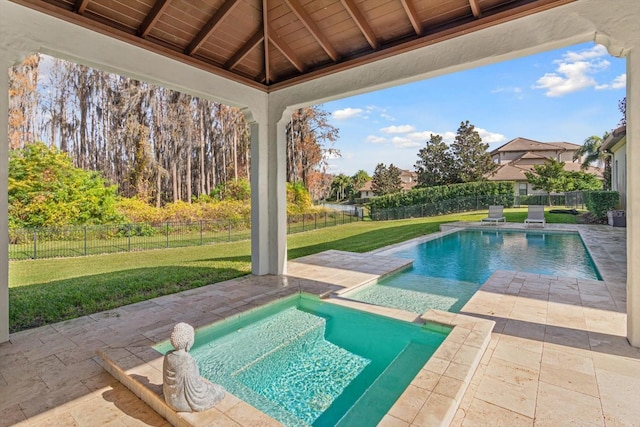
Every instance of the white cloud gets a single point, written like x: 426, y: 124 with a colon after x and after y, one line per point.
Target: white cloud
x: 398, y: 129
x: 575, y: 71
x: 490, y: 137
x: 406, y: 142
x: 374, y: 139
x: 596, y: 51
x: 346, y: 113
x: 388, y: 117
x: 619, y: 82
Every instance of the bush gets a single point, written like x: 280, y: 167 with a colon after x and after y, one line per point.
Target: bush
x: 45, y: 190
x: 599, y: 202
x: 429, y: 195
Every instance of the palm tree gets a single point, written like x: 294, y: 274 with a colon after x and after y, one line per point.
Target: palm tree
x: 590, y: 151
x: 339, y: 185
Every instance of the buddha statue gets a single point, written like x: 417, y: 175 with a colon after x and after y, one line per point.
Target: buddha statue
x: 183, y: 387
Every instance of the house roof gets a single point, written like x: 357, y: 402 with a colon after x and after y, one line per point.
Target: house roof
x: 514, y: 171
x: 613, y: 138
x: 524, y: 144
x: 272, y: 44
x: 530, y: 155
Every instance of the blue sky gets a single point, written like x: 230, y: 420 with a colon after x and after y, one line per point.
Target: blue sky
x: 561, y: 95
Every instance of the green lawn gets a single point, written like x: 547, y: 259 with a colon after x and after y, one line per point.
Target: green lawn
x: 50, y: 290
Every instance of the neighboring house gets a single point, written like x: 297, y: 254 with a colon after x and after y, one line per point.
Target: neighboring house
x: 409, y: 180
x: 616, y: 146
x: 520, y: 155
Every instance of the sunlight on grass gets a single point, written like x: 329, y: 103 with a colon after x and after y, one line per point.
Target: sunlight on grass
x: 50, y: 290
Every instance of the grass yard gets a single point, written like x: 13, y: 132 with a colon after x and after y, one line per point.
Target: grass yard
x: 51, y: 290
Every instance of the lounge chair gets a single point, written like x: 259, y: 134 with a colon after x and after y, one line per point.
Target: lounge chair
x: 495, y: 215
x: 535, y: 215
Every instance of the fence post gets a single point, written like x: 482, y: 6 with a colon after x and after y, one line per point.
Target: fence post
x: 85, y: 240
x: 167, y: 232
x: 129, y: 237
x: 201, y: 239
x: 315, y: 220
x: 303, y: 222
x: 35, y: 245
x: 325, y: 220
x: 229, y: 230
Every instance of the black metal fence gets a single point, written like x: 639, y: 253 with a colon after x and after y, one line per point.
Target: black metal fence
x: 72, y: 241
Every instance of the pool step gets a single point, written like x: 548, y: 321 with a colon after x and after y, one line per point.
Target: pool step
x: 256, y: 340
x: 367, y: 410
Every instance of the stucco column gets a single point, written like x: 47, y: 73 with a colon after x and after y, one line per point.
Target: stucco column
x: 633, y: 196
x: 268, y: 193
x: 4, y: 222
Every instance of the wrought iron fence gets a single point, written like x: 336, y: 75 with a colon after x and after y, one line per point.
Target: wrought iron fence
x: 72, y: 241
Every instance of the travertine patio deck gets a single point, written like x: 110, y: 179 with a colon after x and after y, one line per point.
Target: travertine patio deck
x: 558, y: 355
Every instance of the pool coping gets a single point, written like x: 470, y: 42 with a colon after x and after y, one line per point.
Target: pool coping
x: 432, y: 397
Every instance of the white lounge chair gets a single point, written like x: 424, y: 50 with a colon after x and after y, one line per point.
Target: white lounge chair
x: 535, y: 215
x: 495, y: 215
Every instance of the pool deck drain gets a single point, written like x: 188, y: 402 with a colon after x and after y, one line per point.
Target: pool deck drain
x: 558, y: 350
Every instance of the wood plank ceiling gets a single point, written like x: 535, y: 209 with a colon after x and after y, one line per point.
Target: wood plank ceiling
x: 272, y: 44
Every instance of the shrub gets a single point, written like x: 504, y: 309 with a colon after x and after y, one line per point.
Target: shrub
x: 136, y: 210
x: 599, y: 202
x: 422, y: 196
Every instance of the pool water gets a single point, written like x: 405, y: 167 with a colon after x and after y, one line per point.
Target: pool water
x: 307, y: 362
x: 447, y: 271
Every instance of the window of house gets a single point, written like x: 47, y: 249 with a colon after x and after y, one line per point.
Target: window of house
x: 522, y: 189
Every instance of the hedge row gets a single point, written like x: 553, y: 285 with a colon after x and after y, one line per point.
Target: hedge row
x: 599, y: 202
x: 422, y: 196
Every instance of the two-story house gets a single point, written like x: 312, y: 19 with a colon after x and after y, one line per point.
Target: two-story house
x: 409, y: 180
x: 520, y: 155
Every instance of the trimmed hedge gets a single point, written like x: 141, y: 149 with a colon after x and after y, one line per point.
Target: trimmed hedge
x: 599, y: 202
x: 429, y: 195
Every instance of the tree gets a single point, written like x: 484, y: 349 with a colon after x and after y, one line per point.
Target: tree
x: 360, y: 178
x: 435, y: 163
x: 622, y: 106
x: 471, y: 161
x: 23, y: 101
x: 590, y: 151
x: 308, y: 133
x: 581, y: 181
x: 45, y: 189
x: 549, y: 177
x: 386, y: 180
x: 340, y: 185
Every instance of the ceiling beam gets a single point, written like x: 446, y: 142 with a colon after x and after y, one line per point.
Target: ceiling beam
x: 286, y: 50
x: 412, y: 14
x: 210, y: 26
x: 80, y: 6
x: 265, y: 27
x: 475, y: 8
x: 361, y: 22
x: 250, y: 44
x: 313, y: 29
x: 153, y: 16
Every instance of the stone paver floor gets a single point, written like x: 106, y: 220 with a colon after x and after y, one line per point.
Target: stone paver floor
x: 558, y: 353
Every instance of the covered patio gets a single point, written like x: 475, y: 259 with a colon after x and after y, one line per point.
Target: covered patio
x: 280, y: 80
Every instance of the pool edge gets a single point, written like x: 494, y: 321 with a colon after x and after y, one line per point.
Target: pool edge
x: 432, y: 397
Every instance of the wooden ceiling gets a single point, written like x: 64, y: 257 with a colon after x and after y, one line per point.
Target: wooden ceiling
x: 270, y: 44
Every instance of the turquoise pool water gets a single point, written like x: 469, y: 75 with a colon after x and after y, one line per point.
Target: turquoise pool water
x: 447, y: 271
x: 307, y: 362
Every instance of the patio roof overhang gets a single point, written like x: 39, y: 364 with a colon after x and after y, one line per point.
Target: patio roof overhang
x: 477, y: 32
x: 271, y: 44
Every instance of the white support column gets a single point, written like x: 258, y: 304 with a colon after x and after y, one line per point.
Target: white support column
x: 268, y: 193
x: 633, y: 196
x: 4, y: 211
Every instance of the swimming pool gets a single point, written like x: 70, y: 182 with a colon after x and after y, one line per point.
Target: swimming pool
x: 448, y: 270
x: 307, y: 362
